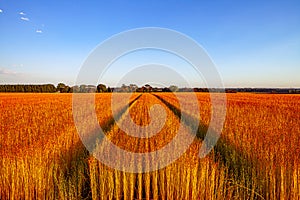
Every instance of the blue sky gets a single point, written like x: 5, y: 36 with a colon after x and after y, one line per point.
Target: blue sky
x: 253, y: 44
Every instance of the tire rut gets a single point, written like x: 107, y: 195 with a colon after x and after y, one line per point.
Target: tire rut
x: 236, y: 161
x: 85, y: 154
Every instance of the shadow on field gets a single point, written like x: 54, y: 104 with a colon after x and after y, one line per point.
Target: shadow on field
x: 71, y: 176
x: 90, y: 141
x: 241, y: 168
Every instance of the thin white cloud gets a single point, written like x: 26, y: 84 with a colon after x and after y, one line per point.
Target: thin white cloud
x: 4, y: 71
x: 17, y: 65
x: 24, y: 18
x: 22, y: 13
x: 1, y: 11
x: 39, y: 31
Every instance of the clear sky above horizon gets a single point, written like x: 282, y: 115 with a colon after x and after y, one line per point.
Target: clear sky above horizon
x: 252, y: 43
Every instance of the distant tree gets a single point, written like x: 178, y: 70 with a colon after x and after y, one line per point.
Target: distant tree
x: 91, y: 89
x: 147, y: 88
x: 48, y: 88
x: 133, y: 87
x: 82, y: 88
x: 75, y: 89
x: 67, y: 89
x: 141, y: 89
x: 20, y: 88
x: 28, y: 88
x: 52, y: 88
x: 101, y: 88
x: 166, y: 89
x: 60, y: 87
x: 173, y: 88
x: 124, y: 88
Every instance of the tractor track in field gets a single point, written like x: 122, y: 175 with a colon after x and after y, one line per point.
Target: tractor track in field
x: 85, y: 154
x: 108, y: 125
x: 223, y: 150
x: 142, y: 193
x: 230, y: 157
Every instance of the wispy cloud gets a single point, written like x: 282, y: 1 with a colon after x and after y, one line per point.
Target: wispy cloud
x: 4, y: 71
x: 25, y: 18
x: 1, y: 11
x: 17, y: 65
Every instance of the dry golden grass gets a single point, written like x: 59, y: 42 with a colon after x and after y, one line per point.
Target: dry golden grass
x: 257, y: 156
x: 259, y: 142
x: 187, y: 178
x: 41, y: 153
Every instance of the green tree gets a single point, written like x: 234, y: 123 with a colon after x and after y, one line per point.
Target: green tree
x: 101, y: 88
x: 60, y: 87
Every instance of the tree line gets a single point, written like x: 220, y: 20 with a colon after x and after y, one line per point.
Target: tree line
x: 46, y: 88
x: 100, y: 88
x: 63, y: 88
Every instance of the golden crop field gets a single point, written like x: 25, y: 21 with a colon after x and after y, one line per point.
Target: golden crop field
x: 43, y: 157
